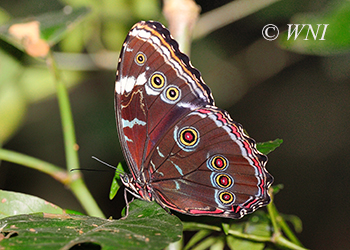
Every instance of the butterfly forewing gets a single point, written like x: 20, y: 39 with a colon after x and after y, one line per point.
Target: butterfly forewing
x: 150, y: 90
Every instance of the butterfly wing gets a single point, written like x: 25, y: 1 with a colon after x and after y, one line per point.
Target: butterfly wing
x: 152, y: 77
x: 207, y: 165
x: 183, y: 151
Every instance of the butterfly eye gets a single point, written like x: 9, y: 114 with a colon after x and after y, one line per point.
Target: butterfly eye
x: 124, y: 179
x: 140, y: 58
x: 172, y: 94
x: 226, y: 198
x: 188, y: 138
x: 223, y: 180
x: 157, y: 80
x: 217, y: 162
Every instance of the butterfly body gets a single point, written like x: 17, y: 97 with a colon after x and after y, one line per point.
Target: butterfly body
x: 182, y: 151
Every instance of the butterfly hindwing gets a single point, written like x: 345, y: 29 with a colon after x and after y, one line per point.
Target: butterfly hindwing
x: 206, y: 165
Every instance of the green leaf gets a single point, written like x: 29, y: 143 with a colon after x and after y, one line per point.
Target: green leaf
x: 53, y: 25
x: 240, y: 244
x: 295, y: 220
x: 225, y: 227
x: 200, y: 235
x: 207, y: 243
x: 257, y: 225
x: 277, y: 188
x: 269, y: 146
x: 336, y: 35
x: 218, y: 245
x: 116, y: 182
x: 12, y: 203
x: 148, y: 226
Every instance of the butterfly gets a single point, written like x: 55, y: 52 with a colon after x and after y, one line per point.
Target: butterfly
x: 182, y: 151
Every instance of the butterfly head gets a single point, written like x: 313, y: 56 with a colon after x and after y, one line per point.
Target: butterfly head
x: 128, y: 182
x: 135, y: 188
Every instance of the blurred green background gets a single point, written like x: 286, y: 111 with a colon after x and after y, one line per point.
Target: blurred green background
x: 274, y: 93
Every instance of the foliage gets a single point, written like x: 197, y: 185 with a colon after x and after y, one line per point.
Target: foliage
x: 147, y: 227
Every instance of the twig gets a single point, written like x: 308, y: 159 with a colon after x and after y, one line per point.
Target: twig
x: 226, y: 14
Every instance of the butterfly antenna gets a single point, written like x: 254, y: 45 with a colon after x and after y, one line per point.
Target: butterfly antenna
x: 107, y: 164
x: 103, y: 162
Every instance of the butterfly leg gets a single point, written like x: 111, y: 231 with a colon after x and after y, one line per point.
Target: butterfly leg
x: 127, y: 203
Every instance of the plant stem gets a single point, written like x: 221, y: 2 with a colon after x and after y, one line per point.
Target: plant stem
x: 181, y: 16
x: 194, y: 226
x: 85, y: 198
x: 276, y: 239
x: 249, y: 236
x: 284, y: 226
x: 31, y: 162
x: 277, y: 236
x: 77, y: 185
x: 70, y: 145
x: 226, y: 14
x: 72, y: 180
x: 285, y: 243
x: 273, y: 214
